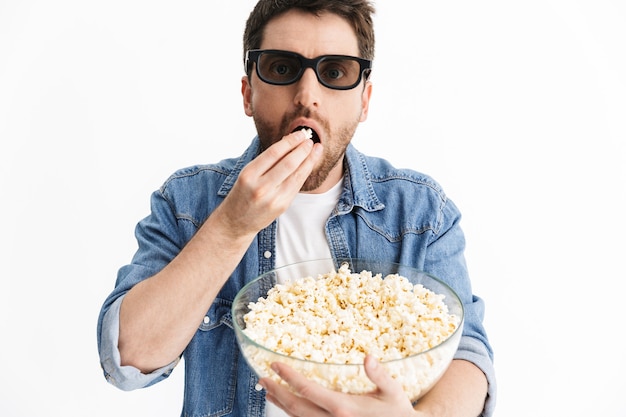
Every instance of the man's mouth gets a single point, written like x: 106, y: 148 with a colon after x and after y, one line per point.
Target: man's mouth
x: 314, y: 136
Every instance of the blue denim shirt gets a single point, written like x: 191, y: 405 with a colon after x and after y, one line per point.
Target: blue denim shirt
x: 383, y: 213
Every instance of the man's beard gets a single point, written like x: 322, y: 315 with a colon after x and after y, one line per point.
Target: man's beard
x: 334, y: 150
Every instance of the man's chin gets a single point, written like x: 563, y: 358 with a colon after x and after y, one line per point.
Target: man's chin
x: 311, y: 184
x: 309, y: 188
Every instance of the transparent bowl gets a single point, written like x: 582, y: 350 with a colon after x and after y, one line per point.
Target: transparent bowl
x: 416, y: 373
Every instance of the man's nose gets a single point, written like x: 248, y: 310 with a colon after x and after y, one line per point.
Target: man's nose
x: 308, y: 89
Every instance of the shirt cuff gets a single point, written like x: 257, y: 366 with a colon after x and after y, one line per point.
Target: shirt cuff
x: 126, y: 378
x: 474, y: 351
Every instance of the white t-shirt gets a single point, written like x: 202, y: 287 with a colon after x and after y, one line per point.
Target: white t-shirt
x: 300, y: 236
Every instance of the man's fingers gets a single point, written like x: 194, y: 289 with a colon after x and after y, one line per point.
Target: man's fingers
x: 280, y: 171
x: 282, y: 149
x: 290, y: 401
x: 303, y: 387
x: 307, y: 398
x: 386, y: 385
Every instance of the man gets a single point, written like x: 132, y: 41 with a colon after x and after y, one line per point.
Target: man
x: 213, y: 228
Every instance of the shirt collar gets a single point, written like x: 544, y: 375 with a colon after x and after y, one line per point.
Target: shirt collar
x: 358, y: 186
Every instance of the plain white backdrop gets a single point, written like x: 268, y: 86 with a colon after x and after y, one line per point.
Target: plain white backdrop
x: 517, y: 108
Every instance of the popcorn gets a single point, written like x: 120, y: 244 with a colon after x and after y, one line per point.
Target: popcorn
x: 334, y: 321
x: 307, y: 132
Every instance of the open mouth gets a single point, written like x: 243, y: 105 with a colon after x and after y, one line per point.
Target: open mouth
x: 314, y: 136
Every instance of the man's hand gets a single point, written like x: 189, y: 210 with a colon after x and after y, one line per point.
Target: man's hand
x: 312, y: 400
x: 267, y: 185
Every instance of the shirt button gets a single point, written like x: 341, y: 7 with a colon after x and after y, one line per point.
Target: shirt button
x: 267, y: 254
x: 207, y: 320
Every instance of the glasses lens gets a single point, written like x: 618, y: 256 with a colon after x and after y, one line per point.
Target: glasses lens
x: 339, y: 72
x: 278, y: 68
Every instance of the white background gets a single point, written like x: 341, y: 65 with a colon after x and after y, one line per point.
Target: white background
x: 516, y: 107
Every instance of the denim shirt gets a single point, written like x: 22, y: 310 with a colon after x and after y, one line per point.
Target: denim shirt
x: 383, y: 213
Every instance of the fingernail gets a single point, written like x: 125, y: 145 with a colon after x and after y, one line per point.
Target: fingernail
x: 275, y: 368
x: 300, y: 135
x: 372, y: 363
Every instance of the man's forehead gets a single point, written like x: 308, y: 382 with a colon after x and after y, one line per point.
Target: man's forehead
x: 310, y: 35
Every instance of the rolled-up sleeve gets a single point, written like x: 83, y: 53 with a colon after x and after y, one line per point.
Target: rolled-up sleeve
x: 159, y: 241
x: 126, y: 378
x: 474, y: 351
x: 446, y: 260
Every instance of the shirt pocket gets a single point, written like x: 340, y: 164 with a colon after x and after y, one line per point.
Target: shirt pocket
x: 211, y: 362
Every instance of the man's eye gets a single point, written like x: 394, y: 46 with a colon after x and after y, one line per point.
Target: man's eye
x: 282, y: 68
x: 337, y: 70
x: 333, y: 74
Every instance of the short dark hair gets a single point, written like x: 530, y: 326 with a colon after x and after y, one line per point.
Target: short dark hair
x: 357, y: 12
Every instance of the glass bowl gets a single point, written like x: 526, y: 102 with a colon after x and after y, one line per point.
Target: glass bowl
x: 417, y: 373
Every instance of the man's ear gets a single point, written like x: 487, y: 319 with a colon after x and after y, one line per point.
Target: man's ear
x: 246, y: 92
x: 365, y: 101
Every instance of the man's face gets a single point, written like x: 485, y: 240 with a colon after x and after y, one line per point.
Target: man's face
x: 333, y: 114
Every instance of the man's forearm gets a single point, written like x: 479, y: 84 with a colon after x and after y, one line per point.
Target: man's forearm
x: 160, y: 315
x: 461, y: 392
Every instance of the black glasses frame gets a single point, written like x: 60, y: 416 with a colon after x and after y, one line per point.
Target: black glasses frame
x: 253, y: 55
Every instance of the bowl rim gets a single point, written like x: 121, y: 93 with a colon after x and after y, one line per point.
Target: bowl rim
x: 339, y: 261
